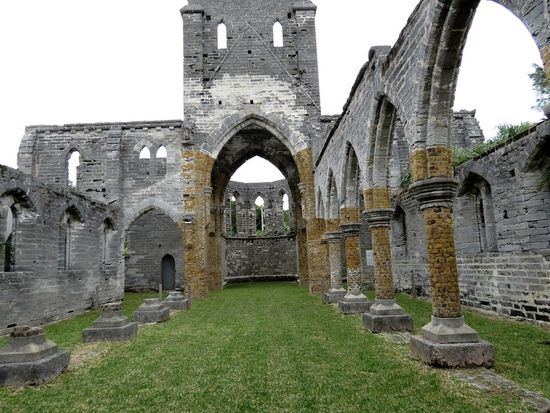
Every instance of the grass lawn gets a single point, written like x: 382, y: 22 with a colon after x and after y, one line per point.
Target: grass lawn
x: 262, y: 347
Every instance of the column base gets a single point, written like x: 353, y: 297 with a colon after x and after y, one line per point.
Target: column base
x: 119, y: 333
x: 386, y: 316
x: 333, y: 296
x: 449, y: 342
x: 354, y: 304
x: 34, y: 372
x: 152, y: 311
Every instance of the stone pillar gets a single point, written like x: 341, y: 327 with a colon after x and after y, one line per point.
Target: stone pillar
x: 354, y: 301
x: 385, y: 314
x: 447, y: 341
x: 337, y: 291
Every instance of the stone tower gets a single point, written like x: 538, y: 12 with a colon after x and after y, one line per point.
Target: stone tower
x: 233, y: 64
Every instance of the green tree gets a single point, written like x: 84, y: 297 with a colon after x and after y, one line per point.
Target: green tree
x: 541, y: 86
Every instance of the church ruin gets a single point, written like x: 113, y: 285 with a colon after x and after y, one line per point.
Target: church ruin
x: 151, y: 202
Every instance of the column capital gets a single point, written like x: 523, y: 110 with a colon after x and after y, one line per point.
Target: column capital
x: 435, y: 192
x: 379, y: 217
x: 333, y: 236
x: 208, y: 190
x: 350, y: 229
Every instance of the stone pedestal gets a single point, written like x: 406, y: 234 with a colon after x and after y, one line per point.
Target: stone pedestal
x: 449, y: 342
x: 334, y: 295
x: 153, y: 310
x: 30, y: 359
x: 386, y: 316
x: 112, y: 325
x: 354, y: 304
x: 176, y: 301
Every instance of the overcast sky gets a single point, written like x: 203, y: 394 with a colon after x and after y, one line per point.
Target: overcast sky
x: 67, y: 61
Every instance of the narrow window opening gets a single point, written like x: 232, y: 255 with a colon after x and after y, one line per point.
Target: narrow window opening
x: 278, y: 35
x: 233, y: 212
x: 107, y: 235
x: 72, y: 168
x: 289, y: 15
x: 222, y: 36
x: 9, y: 245
x: 162, y: 153
x: 145, y: 153
x: 286, y: 214
x: 260, y: 216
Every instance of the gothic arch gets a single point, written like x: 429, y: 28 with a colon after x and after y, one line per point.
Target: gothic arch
x: 148, y: 205
x: 351, y: 179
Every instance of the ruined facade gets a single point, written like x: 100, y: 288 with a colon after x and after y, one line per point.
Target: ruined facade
x: 373, y: 193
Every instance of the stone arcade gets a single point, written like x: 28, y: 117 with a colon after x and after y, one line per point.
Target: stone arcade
x: 152, y: 203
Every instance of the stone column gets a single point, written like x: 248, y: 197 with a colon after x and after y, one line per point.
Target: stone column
x: 446, y: 341
x: 354, y: 301
x: 385, y: 314
x: 337, y: 291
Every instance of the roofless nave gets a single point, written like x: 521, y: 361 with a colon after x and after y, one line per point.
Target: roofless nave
x: 151, y: 201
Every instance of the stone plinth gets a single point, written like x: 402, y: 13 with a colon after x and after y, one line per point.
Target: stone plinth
x: 387, y: 316
x: 449, y: 342
x: 354, y: 304
x: 112, y: 325
x: 334, y: 295
x: 30, y: 359
x: 176, y: 301
x: 153, y: 310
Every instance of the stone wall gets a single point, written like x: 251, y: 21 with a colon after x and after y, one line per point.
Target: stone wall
x: 245, y: 194
x: 150, y: 238
x: 261, y: 256
x: 65, y: 249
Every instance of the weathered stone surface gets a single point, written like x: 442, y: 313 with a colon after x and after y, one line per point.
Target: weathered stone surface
x: 30, y: 359
x: 480, y: 354
x: 153, y: 310
x: 354, y: 307
x: 176, y: 301
x: 112, y: 325
x: 385, y: 315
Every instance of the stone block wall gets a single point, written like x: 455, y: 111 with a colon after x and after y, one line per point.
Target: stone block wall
x: 56, y: 271
x: 149, y: 239
x: 261, y: 256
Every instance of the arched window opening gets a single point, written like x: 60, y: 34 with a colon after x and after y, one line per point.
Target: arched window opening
x: 9, y: 239
x: 222, y: 36
x: 162, y: 153
x: 479, y: 200
x: 108, y: 231
x: 233, y: 214
x: 145, y: 153
x: 333, y: 207
x: 400, y: 235
x: 278, y: 40
x: 286, y: 214
x: 260, y: 215
x: 67, y: 234
x: 73, y: 163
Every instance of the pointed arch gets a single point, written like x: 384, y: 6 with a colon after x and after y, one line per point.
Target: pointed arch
x: 72, y: 165
x: 351, y: 184
x: 222, y: 36
x: 333, y: 204
x: 278, y: 37
x: 162, y: 153
x: 145, y: 153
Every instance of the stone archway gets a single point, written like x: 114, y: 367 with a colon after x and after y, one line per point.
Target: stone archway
x: 210, y: 174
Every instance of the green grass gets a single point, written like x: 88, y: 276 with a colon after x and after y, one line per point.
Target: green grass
x: 253, y: 347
